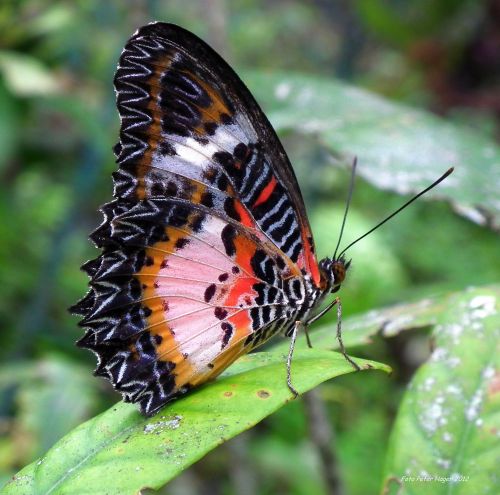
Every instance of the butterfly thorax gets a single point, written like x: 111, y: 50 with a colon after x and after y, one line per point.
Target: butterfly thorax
x: 303, y: 295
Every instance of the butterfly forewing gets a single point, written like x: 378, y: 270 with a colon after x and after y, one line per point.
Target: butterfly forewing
x: 206, y: 246
x: 186, y: 115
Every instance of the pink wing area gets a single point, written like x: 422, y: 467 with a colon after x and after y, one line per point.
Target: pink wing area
x: 167, y: 315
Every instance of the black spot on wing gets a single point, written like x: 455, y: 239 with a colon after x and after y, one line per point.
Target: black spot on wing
x: 181, y: 242
x: 210, y: 292
x: 210, y: 128
x: 220, y: 313
x: 240, y: 151
x: 207, y: 199
x: 230, y: 210
x: 166, y: 148
x: 228, y: 235
x: 227, y: 328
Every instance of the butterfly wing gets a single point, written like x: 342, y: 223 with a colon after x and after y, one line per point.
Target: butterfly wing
x: 185, y: 111
x: 182, y: 297
x: 206, y: 244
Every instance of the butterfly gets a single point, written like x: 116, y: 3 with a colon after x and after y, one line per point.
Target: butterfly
x: 207, y: 251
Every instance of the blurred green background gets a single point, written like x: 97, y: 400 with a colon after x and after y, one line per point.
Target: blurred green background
x: 58, y: 124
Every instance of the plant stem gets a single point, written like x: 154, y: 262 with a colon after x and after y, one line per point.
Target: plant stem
x: 322, y: 436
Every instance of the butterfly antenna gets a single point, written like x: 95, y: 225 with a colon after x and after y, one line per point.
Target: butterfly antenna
x: 421, y: 193
x: 348, y: 202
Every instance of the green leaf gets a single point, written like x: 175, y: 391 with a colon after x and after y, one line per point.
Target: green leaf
x: 53, y: 395
x: 446, y: 436
x: 131, y: 452
x: 398, y: 148
x: 25, y: 75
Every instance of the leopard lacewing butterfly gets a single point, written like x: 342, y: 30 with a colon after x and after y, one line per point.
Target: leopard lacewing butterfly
x: 206, y: 247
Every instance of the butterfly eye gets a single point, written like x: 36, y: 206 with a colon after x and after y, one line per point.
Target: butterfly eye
x: 338, y: 271
x: 336, y: 288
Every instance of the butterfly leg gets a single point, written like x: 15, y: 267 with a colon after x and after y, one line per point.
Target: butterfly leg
x: 308, y: 338
x: 315, y: 318
x: 323, y: 312
x: 289, y: 359
x: 339, y: 335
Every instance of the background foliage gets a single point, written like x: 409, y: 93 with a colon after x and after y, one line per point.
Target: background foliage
x: 58, y: 124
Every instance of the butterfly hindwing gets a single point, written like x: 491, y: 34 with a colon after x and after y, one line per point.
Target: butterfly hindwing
x: 184, y: 295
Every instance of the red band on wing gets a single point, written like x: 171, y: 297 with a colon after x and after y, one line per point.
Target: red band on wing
x: 307, y: 259
x: 245, y: 217
x: 266, y: 192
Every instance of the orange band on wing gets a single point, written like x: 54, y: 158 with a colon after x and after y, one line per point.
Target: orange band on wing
x: 154, y: 128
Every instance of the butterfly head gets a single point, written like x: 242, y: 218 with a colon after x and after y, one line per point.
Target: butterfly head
x: 333, y: 272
